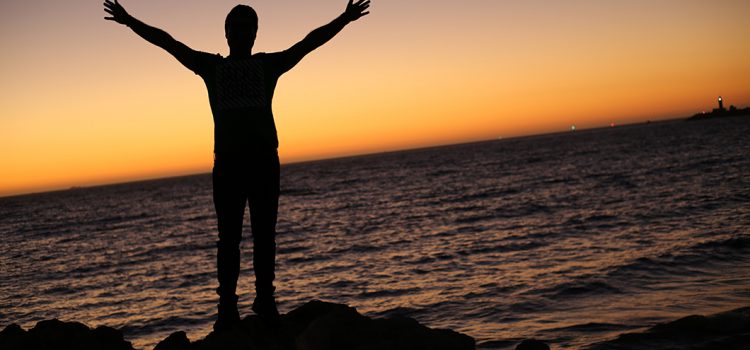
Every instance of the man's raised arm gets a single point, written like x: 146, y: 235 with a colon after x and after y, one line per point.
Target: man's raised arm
x: 320, y: 36
x: 156, y: 36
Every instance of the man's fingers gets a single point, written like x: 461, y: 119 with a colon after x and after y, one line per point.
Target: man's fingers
x: 109, y: 11
x: 365, y: 13
x: 110, y: 6
x: 109, y: 18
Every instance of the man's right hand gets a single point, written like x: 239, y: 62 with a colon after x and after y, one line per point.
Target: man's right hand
x: 117, y: 12
x: 356, y: 10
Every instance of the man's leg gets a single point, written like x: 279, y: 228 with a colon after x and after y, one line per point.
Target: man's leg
x: 264, y: 203
x: 229, y: 202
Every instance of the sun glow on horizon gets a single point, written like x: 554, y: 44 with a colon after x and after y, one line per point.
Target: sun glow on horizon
x: 85, y: 101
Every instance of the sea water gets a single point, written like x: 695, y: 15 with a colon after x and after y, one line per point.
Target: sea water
x: 572, y: 238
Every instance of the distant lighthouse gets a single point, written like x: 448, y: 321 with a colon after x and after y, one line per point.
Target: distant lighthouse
x: 721, y: 103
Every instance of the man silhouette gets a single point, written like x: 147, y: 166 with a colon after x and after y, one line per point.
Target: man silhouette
x: 246, y: 163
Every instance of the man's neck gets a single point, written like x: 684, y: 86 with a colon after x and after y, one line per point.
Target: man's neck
x: 240, y: 53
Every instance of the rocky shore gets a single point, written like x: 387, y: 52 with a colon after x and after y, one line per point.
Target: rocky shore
x: 318, y: 325
x: 727, y: 331
x: 314, y: 325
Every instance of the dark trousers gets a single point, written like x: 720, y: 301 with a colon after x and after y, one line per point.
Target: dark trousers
x: 251, y: 178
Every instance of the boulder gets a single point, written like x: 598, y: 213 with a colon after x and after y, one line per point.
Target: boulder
x: 315, y: 325
x: 532, y: 344
x: 727, y: 330
x: 318, y: 325
x: 56, y: 334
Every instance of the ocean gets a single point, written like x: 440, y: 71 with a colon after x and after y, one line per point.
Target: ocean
x: 572, y: 238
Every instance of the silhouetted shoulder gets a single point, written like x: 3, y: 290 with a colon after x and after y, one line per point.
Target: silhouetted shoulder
x: 278, y: 63
x: 205, y: 62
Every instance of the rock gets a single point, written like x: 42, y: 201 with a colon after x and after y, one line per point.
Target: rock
x: 532, y: 344
x: 56, y: 334
x: 344, y: 328
x: 315, y: 325
x: 175, y: 341
x: 318, y: 325
x: 726, y: 330
x: 12, y: 337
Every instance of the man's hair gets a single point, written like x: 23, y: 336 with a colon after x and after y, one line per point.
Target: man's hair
x: 241, y: 14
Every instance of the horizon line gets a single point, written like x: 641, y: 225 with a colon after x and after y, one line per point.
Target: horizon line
x: 177, y: 174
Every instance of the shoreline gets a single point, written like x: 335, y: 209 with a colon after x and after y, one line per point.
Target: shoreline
x: 314, y: 325
x: 323, y: 325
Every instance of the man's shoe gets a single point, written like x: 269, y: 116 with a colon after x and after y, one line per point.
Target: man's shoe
x: 228, y: 317
x: 265, y: 307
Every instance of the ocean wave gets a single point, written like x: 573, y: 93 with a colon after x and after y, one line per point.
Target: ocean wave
x: 697, y: 258
x: 577, y: 288
x: 387, y: 293
x: 171, y: 249
x: 593, y: 327
x: 503, y: 247
x: 489, y: 193
x: 160, y: 324
x: 298, y: 192
x: 740, y: 243
x: 520, y: 210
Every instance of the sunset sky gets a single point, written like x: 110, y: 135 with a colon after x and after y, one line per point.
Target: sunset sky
x: 85, y: 101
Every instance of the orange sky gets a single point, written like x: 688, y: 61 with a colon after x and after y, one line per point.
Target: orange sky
x: 85, y: 101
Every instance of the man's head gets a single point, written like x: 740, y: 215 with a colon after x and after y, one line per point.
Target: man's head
x: 240, y: 28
